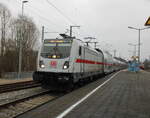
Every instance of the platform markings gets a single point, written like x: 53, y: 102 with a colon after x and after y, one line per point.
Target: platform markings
x: 63, y: 114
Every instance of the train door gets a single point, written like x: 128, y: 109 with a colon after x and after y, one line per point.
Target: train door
x: 82, y: 57
x: 102, y: 63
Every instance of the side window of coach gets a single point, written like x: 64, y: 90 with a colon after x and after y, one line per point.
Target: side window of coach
x: 80, y: 50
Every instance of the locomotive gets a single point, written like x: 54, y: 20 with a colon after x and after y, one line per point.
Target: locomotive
x: 68, y: 60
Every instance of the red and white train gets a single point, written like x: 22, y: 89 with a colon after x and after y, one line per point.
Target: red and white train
x: 69, y: 61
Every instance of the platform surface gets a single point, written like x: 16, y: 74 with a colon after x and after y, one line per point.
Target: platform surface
x: 127, y: 95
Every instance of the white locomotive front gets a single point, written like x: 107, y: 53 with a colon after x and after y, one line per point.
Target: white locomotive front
x: 67, y: 60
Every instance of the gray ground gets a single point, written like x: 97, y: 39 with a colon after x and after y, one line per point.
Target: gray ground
x: 126, y: 96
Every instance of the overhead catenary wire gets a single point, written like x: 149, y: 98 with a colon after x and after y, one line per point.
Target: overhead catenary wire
x: 45, y: 19
x: 42, y: 18
x: 58, y: 10
x: 37, y: 11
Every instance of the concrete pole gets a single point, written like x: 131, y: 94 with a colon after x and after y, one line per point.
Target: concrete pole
x: 42, y: 33
x: 114, y: 53
x: 20, y: 43
x: 70, y: 31
x: 139, y: 45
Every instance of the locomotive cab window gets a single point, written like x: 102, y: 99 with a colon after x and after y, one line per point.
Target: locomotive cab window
x: 57, y: 50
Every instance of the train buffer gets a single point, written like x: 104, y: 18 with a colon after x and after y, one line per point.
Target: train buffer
x: 125, y: 95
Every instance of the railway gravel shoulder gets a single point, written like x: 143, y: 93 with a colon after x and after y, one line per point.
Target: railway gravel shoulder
x: 52, y: 109
x: 14, y: 107
x: 21, y: 98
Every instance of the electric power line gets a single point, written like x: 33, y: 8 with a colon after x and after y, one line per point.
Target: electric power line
x: 58, y: 10
x: 33, y: 9
x: 41, y: 17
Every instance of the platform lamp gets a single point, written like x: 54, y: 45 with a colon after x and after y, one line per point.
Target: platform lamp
x: 139, y: 40
x: 20, y: 43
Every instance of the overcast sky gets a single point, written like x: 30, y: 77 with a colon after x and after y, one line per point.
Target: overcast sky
x: 106, y: 20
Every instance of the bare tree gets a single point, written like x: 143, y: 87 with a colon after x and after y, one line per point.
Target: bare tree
x: 20, y: 29
x: 25, y: 30
x: 5, y: 17
x: 4, y: 20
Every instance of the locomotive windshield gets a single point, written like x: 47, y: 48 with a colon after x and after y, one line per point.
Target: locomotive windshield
x: 57, y: 50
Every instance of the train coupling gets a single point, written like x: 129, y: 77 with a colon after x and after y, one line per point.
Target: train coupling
x: 63, y: 79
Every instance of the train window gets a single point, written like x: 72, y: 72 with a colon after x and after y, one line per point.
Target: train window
x: 80, y: 50
x: 56, y: 50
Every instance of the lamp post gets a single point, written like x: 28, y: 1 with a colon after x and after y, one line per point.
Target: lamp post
x: 20, y: 43
x: 23, y: 2
x: 139, y: 33
x: 134, y: 48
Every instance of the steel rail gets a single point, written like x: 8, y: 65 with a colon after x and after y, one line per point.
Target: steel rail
x: 18, y: 86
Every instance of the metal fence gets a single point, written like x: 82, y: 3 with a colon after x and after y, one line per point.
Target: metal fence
x: 14, y: 75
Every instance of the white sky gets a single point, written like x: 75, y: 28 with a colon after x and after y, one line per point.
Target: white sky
x: 106, y: 20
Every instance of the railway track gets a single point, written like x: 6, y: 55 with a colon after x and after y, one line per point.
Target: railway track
x: 13, y: 108
x: 18, y: 86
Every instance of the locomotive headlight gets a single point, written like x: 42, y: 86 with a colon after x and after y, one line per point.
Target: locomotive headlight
x: 41, y: 64
x: 54, y: 56
x: 66, y: 65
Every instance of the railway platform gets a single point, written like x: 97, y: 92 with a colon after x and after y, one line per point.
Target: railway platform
x: 122, y: 95
x: 11, y: 81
